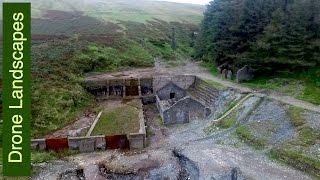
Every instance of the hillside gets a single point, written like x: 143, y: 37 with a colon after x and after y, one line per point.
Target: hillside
x: 279, y: 40
x: 64, y: 18
x: 71, y: 12
x: 72, y: 37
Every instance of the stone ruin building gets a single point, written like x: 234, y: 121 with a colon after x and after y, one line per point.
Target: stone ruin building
x: 177, y: 106
x: 179, y: 98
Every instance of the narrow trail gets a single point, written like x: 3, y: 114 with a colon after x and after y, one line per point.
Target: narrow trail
x: 284, y: 99
x: 193, y: 68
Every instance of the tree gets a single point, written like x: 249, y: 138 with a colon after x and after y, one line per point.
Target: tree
x: 272, y: 34
x: 173, y: 39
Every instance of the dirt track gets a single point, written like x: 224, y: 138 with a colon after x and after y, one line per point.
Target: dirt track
x: 193, y: 68
x: 183, y: 151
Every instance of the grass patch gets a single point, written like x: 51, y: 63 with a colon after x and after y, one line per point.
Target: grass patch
x: 101, y: 58
x: 293, y: 152
x: 227, y: 123
x: 150, y: 132
x: 46, y: 156
x: 311, y: 93
x: 215, y: 84
x: 307, y: 137
x: 244, y: 133
x: 117, y: 121
x: 296, y: 159
x: 304, y: 85
x: 211, y: 67
x: 295, y: 116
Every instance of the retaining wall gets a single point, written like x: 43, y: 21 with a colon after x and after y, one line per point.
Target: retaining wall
x: 90, y: 144
x: 135, y: 87
x: 95, y: 143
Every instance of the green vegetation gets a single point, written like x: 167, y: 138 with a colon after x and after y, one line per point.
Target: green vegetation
x: 295, y: 116
x: 57, y: 95
x: 102, y: 58
x: 118, y: 121
x: 72, y: 38
x: 274, y: 38
x: 303, y: 85
x: 297, y: 159
x: 244, y: 133
x: 45, y: 156
x: 296, y: 152
x: 227, y: 122
x: 267, y: 35
x: 113, y: 10
x: 211, y: 67
x: 215, y: 85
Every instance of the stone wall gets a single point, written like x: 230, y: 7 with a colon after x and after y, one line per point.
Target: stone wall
x: 38, y: 144
x: 137, y: 141
x: 182, y: 111
x: 87, y: 144
x: 134, y: 87
x: 165, y: 92
x: 90, y: 144
x: 95, y: 143
x: 183, y: 81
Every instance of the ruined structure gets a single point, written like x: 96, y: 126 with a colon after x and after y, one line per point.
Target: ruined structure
x: 176, y: 105
x: 179, y: 98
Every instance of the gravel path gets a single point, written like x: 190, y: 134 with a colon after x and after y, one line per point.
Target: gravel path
x: 185, y: 151
x: 203, y: 73
x: 193, y: 68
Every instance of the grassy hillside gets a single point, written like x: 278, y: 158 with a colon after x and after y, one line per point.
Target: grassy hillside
x: 52, y: 11
x: 74, y: 37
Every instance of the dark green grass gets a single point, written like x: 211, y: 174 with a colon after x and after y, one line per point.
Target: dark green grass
x: 295, y: 151
x: 289, y: 83
x: 304, y: 85
x: 211, y: 67
x: 297, y: 159
x: 244, y: 133
x: 118, y: 121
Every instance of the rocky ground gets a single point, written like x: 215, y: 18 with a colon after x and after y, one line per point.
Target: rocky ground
x: 200, y: 149
x: 189, y: 152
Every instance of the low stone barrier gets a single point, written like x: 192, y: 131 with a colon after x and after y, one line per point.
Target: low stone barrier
x: 91, y: 144
x: 117, y: 142
x: 87, y: 144
x: 137, y: 141
x: 57, y: 144
x: 38, y: 144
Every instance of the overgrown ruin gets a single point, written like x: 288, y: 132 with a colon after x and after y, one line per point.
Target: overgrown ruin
x: 179, y: 98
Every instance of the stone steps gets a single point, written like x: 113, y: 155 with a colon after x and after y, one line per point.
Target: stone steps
x: 203, y: 92
x: 202, y: 95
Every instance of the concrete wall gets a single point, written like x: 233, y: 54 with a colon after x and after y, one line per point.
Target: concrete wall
x: 183, y: 81
x: 87, y: 144
x: 94, y: 143
x: 38, y: 144
x: 164, y: 92
x: 182, y: 111
x: 146, y: 86
x: 137, y: 141
x: 127, y: 87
